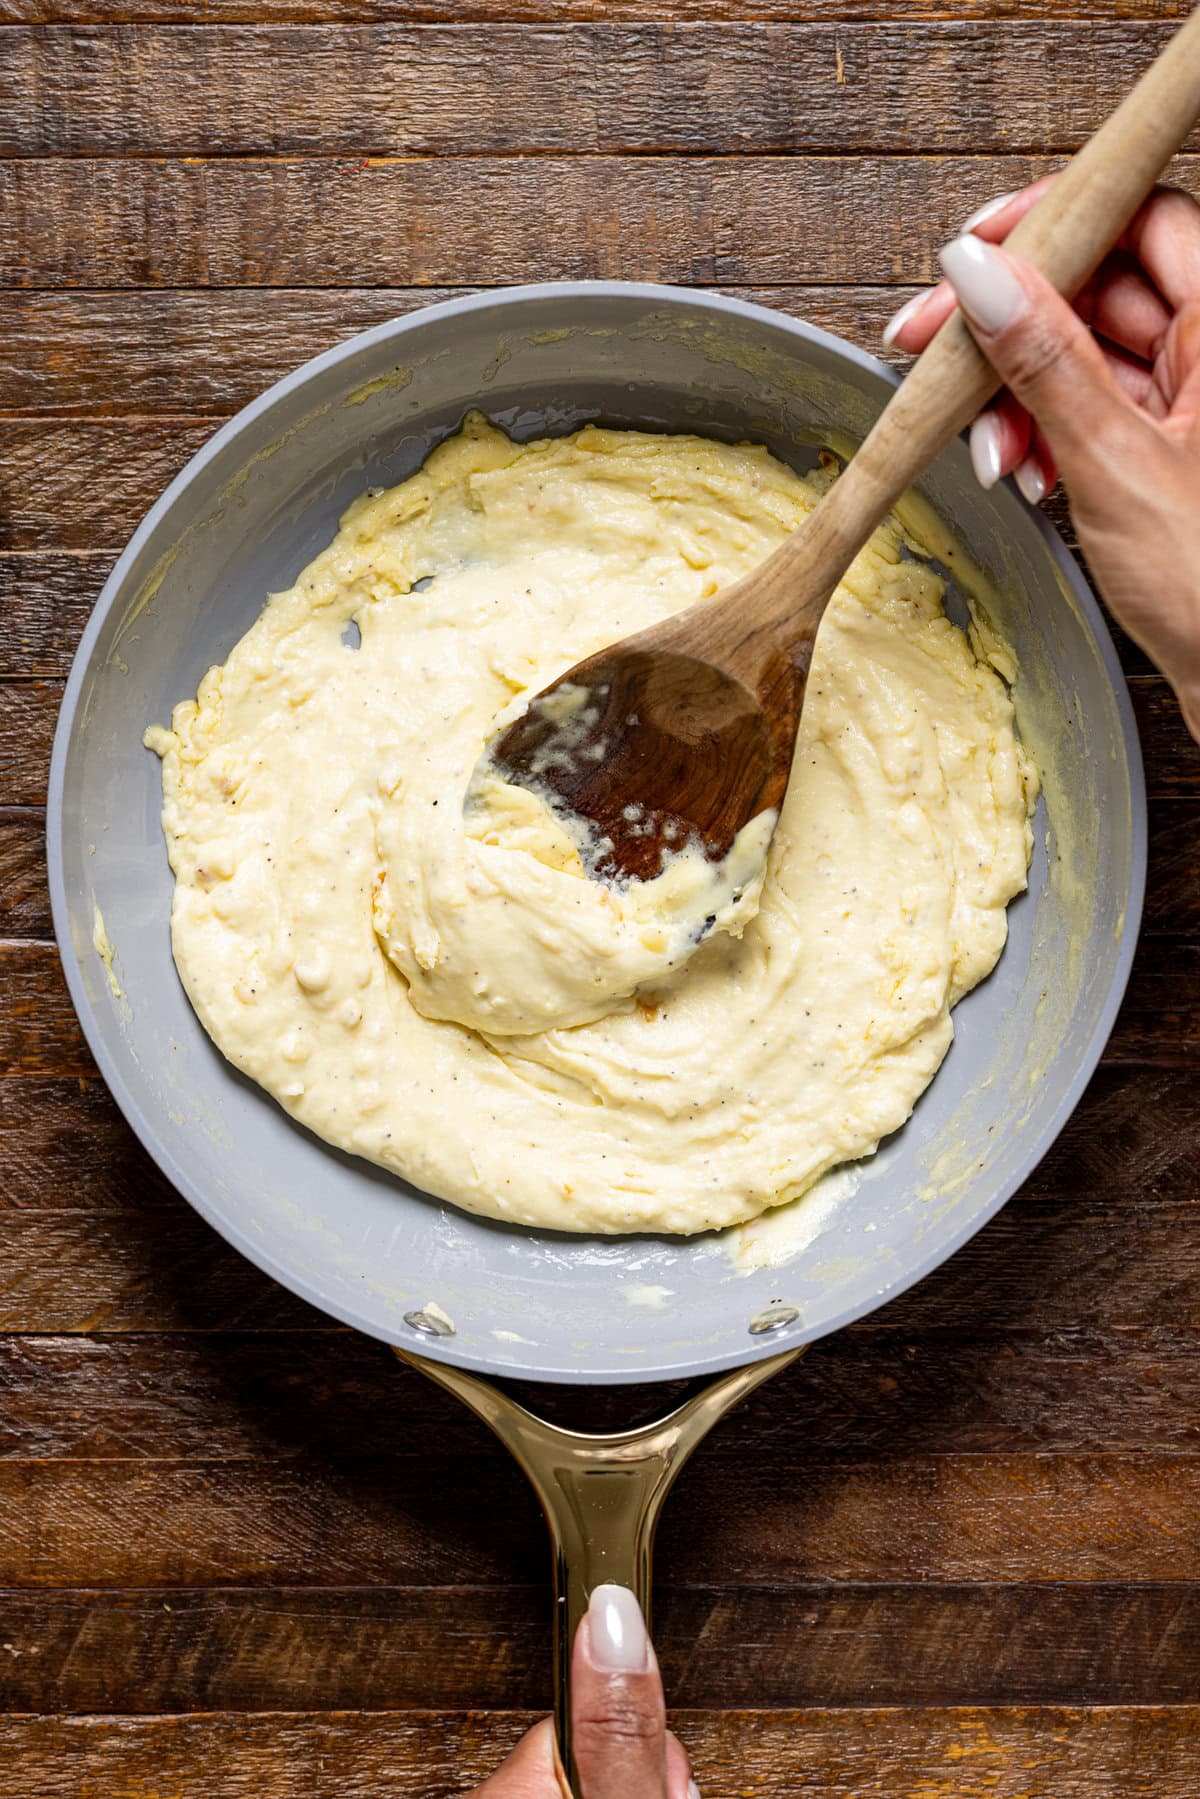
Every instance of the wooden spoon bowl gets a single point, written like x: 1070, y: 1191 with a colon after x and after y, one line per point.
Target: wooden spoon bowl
x: 685, y: 732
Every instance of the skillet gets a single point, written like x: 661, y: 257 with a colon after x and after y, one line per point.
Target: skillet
x: 466, y: 1299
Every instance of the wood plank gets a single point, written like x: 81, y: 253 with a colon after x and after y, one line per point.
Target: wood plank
x: 47, y: 602
x: 1173, y: 878
x: 156, y: 352
x: 1030, y: 1411
x: 449, y: 90
x: 168, y: 1650
x: 39, y: 1032
x: 67, y: 1146
x: 208, y: 351
x: 928, y: 1753
x: 295, y: 222
x: 1042, y: 1263
x: 1130, y: 1133
x: 24, y: 900
x: 550, y: 12
x: 28, y: 711
x: 328, y: 1521
x: 870, y: 1392
x: 68, y: 1272
x: 54, y: 498
x: 1159, y: 1020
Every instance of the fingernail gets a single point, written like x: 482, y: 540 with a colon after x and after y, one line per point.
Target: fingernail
x: 617, y: 1631
x: 693, y: 1791
x: 988, y: 291
x: 984, y: 213
x: 1031, y: 480
x: 899, y: 319
x: 985, y: 449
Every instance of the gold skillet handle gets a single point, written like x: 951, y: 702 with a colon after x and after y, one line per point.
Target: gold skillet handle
x: 601, y: 1492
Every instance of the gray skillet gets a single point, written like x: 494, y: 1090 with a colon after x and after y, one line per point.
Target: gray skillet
x: 467, y: 1299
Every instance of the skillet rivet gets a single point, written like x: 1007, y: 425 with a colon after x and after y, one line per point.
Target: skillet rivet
x: 773, y: 1318
x: 429, y: 1324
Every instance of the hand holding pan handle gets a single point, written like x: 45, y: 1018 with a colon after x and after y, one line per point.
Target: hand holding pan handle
x: 601, y: 1492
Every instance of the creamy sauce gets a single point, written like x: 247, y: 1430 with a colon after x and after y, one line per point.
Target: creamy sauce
x: 102, y: 944
x: 561, y: 949
x: 438, y: 986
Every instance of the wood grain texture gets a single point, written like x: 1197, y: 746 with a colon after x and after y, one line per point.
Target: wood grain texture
x: 328, y: 1521
x: 27, y: 714
x: 218, y: 1506
x: 872, y: 1393
x: 1013, y: 1752
x: 430, y: 90
x: 316, y: 222
x: 47, y: 602
x: 24, y: 899
x: 171, y: 1273
x: 51, y: 498
x: 66, y: 1146
x: 549, y: 12
x: 321, y: 1649
x: 209, y: 351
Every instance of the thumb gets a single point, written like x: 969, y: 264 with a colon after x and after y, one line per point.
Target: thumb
x: 530, y: 1772
x: 1182, y: 356
x: 1040, y: 347
x: 618, y: 1718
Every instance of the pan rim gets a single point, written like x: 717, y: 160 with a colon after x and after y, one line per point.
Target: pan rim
x: 141, y: 1119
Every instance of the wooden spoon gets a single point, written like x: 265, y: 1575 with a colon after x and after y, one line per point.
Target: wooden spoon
x: 686, y: 731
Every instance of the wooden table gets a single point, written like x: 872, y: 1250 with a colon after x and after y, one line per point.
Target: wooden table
x: 953, y: 1555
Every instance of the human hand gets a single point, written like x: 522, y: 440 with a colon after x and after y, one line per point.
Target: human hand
x: 623, y: 1749
x: 1115, y: 408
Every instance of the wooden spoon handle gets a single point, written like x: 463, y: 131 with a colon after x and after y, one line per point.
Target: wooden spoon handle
x: 1068, y: 232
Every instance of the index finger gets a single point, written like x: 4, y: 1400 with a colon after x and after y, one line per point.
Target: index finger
x: 994, y: 221
x: 923, y: 317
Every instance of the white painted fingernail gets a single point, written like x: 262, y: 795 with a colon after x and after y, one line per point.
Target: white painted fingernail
x: 988, y: 291
x: 693, y: 1791
x: 899, y: 319
x: 984, y: 213
x: 1031, y: 480
x: 619, y: 1640
x: 985, y: 449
